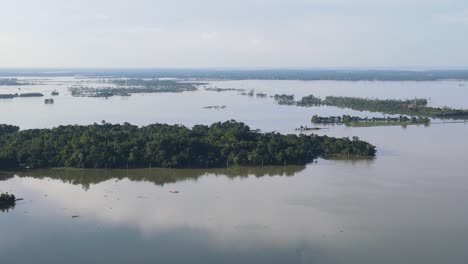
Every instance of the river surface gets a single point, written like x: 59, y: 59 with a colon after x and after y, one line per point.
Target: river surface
x: 408, y: 205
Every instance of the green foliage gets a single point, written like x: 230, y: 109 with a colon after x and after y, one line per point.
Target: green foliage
x: 167, y: 146
x: 7, y: 129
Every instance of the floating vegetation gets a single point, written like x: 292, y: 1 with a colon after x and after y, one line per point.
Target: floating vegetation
x: 261, y: 95
x: 49, y: 101
x: 54, y: 93
x: 216, y: 107
x: 355, y: 121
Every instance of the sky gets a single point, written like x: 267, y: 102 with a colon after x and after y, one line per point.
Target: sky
x: 234, y: 34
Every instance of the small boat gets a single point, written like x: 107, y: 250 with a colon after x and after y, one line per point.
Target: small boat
x: 173, y: 191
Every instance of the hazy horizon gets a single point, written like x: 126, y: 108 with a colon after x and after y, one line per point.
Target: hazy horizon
x: 319, y: 34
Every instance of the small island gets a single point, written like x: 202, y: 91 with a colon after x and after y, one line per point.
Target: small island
x: 215, y: 107
x: 354, y: 121
x: 284, y: 99
x: 217, y: 89
x: 251, y: 93
x: 7, y: 201
x: 411, y: 107
x: 132, y: 86
x: 11, y: 96
x: 221, y: 144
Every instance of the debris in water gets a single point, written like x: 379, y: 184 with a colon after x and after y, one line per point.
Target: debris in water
x: 173, y: 191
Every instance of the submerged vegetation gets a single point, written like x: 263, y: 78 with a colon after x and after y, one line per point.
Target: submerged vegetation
x: 355, y: 121
x: 132, y: 86
x: 168, y: 146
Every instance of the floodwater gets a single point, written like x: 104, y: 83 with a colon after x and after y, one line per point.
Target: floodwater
x: 405, y: 206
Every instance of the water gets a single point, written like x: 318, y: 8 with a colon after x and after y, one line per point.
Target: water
x: 406, y: 206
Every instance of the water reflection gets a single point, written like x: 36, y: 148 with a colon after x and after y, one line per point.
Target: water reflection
x: 158, y: 176
x: 220, y: 216
x: 6, y: 207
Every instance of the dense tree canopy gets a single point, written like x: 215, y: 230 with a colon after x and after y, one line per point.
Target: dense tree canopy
x: 6, y: 129
x: 168, y: 146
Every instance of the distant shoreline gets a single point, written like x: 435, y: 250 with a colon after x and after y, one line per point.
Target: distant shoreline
x: 249, y: 74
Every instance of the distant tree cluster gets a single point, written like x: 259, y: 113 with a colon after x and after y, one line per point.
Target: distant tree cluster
x: 7, y: 201
x: 11, y: 96
x: 410, y: 107
x: 366, y: 121
x: 284, y: 99
x: 168, y: 146
x: 12, y: 82
x: 132, y: 86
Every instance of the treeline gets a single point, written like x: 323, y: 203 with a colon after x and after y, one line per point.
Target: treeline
x: 160, y: 83
x: 254, y: 74
x: 132, y: 86
x: 168, y: 146
x: 410, y: 107
x: 366, y: 121
x: 11, y: 96
x: 415, y: 107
